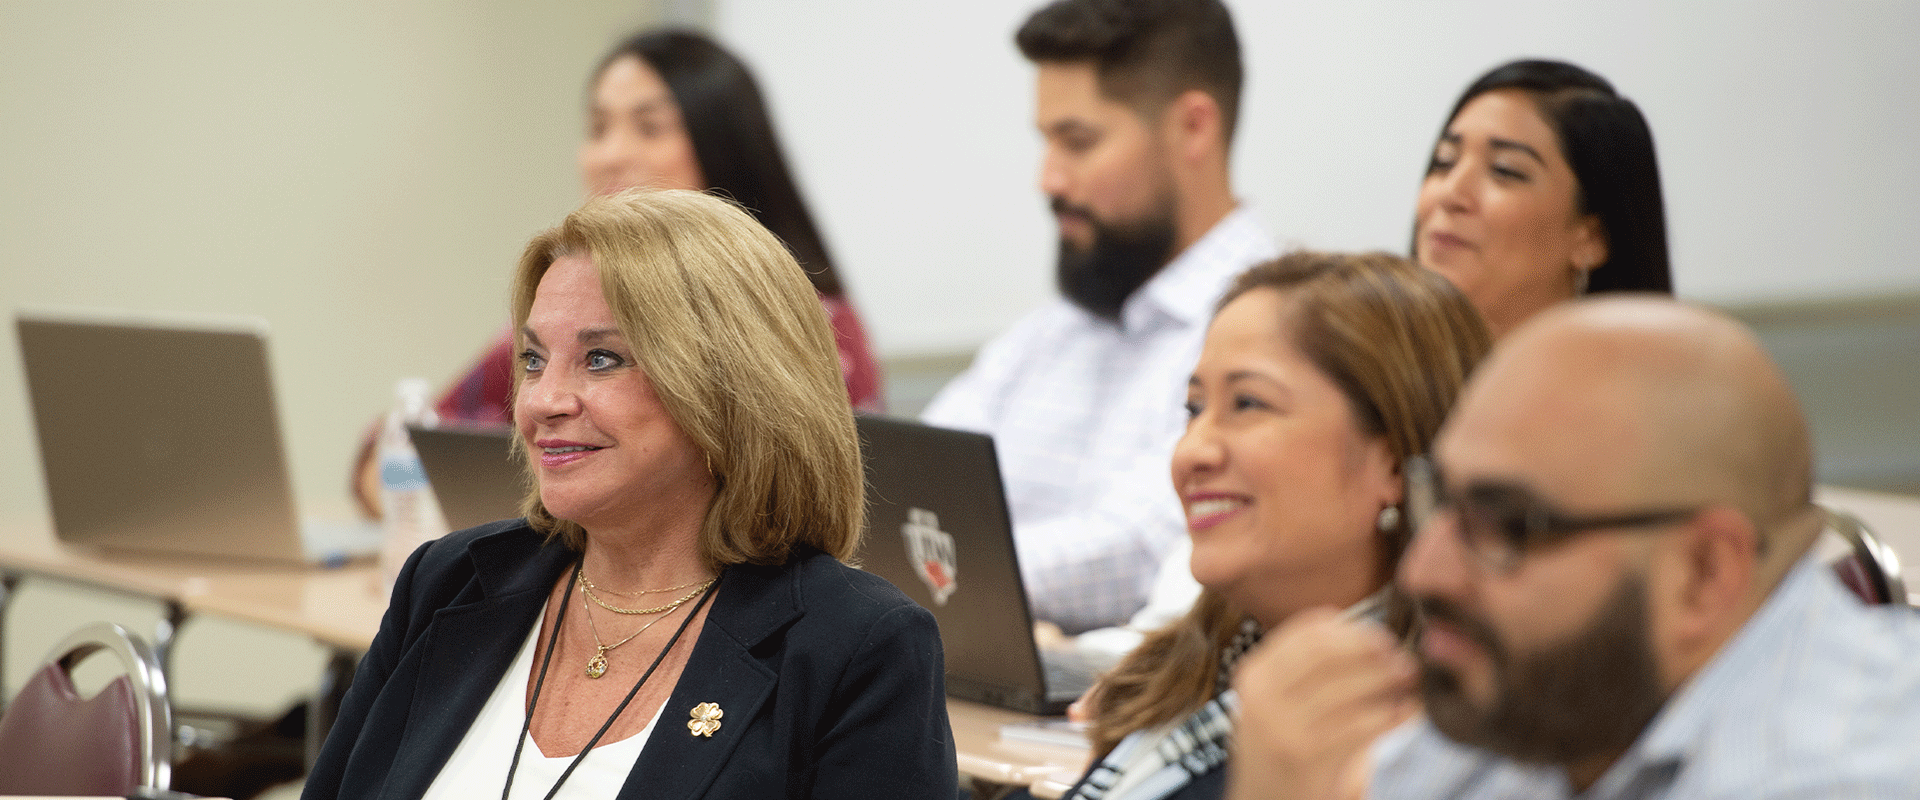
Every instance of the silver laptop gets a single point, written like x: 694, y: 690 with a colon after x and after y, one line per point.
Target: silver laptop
x: 474, y: 475
x: 938, y: 528
x: 158, y: 433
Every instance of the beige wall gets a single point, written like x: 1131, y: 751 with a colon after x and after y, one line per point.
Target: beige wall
x: 359, y: 174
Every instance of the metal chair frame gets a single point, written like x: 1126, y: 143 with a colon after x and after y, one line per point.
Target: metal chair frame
x: 151, y: 707
x: 1874, y: 556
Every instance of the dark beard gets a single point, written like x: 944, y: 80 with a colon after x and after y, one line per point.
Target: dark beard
x: 1591, y: 696
x: 1121, y: 259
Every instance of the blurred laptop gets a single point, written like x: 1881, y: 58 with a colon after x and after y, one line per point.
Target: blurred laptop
x: 938, y: 528
x: 474, y: 475
x: 158, y: 433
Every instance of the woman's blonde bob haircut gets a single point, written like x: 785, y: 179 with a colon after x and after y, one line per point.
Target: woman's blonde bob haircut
x: 732, y: 337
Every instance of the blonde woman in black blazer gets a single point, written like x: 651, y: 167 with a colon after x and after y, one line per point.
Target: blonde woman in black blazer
x: 672, y: 617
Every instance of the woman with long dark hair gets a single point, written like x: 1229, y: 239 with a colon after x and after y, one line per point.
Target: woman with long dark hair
x: 672, y: 109
x: 1542, y: 186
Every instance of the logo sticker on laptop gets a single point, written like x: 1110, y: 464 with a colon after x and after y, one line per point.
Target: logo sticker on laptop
x: 931, y: 550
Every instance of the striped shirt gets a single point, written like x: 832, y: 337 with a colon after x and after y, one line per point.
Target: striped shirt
x: 1084, y: 415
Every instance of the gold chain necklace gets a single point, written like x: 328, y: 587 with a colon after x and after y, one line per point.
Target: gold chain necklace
x: 598, y: 589
x: 589, y: 594
x: 553, y: 643
x: 597, y: 665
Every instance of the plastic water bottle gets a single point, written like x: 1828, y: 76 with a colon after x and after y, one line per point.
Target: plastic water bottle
x: 408, y: 512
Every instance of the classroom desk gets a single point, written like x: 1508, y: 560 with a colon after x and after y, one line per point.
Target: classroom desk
x: 998, y: 767
x: 341, y: 607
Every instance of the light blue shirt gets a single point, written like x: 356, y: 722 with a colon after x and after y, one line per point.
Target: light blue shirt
x: 1818, y: 696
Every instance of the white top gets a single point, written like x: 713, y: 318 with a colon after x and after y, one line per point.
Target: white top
x: 1084, y: 415
x: 478, y: 767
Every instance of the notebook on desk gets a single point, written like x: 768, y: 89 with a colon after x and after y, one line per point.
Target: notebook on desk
x: 938, y: 528
x: 159, y: 433
x: 474, y: 475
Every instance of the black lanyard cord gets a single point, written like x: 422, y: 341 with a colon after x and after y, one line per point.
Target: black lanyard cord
x: 553, y: 640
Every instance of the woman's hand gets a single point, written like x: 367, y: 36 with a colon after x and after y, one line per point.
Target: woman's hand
x: 1314, y: 695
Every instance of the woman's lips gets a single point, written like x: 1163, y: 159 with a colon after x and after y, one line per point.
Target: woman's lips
x: 1440, y: 240
x: 1206, y: 511
x: 559, y: 453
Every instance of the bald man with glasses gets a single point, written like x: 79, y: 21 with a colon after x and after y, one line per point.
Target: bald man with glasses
x: 1612, y: 565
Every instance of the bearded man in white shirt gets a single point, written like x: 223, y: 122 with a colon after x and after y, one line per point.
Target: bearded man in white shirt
x: 1136, y: 101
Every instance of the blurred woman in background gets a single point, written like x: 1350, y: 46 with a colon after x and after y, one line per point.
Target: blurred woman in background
x: 672, y: 109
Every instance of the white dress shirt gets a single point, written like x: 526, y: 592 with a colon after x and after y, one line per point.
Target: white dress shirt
x: 1084, y: 415
x: 1173, y: 593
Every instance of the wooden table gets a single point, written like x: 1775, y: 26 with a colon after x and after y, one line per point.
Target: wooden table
x: 339, y: 608
x: 996, y: 766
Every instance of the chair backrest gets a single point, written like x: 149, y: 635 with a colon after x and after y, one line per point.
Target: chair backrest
x: 1869, y: 567
x: 112, y: 743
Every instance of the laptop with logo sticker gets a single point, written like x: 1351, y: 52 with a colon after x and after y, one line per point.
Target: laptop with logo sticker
x: 938, y: 528
x: 159, y: 433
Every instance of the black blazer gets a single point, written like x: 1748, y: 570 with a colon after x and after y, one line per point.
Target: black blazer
x: 830, y: 679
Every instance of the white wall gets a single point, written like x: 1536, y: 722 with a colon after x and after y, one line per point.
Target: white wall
x: 361, y: 175
x: 1788, y: 133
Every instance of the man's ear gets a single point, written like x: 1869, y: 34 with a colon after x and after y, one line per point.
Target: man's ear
x: 1192, y: 125
x: 1717, y: 558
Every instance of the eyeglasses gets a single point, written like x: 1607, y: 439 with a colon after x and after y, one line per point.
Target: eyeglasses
x: 1499, y: 523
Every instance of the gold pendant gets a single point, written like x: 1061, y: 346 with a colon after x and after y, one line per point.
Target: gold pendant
x: 597, y: 665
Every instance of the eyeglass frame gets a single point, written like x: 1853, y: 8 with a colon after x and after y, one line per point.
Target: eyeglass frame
x: 1500, y: 551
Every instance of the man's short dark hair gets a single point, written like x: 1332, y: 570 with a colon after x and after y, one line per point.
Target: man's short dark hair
x: 1146, y: 51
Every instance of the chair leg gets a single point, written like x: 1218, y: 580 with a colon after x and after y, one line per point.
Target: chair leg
x: 9, y: 584
x: 327, y: 698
